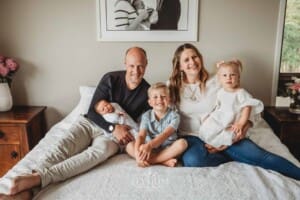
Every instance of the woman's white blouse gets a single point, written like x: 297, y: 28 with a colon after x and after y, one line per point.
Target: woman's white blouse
x: 194, y: 105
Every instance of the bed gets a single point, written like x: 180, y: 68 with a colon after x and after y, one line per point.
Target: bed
x: 120, y: 178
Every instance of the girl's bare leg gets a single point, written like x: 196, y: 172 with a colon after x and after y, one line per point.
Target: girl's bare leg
x: 25, y: 182
x: 168, y: 155
x: 25, y: 195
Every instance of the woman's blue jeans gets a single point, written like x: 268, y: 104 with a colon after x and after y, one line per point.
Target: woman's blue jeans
x: 244, y: 151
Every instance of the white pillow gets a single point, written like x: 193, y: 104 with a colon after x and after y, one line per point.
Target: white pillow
x: 86, y: 95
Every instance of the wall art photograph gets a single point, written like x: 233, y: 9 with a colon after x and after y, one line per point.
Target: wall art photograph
x: 147, y: 20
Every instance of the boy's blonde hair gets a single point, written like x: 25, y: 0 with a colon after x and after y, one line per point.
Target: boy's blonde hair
x: 232, y: 63
x: 158, y: 85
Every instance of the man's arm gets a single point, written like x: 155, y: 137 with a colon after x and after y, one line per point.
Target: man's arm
x: 101, y: 92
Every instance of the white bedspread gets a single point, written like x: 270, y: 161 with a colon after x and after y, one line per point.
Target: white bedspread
x: 120, y: 178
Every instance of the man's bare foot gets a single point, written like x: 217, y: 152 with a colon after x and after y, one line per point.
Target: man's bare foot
x: 170, y: 163
x: 25, y: 195
x: 24, y: 182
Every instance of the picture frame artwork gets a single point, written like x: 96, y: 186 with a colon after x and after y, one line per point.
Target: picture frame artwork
x: 117, y: 20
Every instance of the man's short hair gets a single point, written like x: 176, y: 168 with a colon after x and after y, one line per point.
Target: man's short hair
x: 139, y: 48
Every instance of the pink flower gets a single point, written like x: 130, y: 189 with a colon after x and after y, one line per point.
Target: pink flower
x: 8, y: 67
x: 11, y: 64
x: 3, y: 70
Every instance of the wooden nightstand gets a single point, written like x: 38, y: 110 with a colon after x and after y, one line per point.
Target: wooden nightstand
x: 20, y: 130
x: 286, y: 126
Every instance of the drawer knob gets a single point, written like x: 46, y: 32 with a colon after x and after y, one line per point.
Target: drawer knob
x: 2, y: 134
x: 14, y: 154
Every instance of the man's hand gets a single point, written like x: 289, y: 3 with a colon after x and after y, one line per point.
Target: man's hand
x: 122, y: 134
x: 212, y: 149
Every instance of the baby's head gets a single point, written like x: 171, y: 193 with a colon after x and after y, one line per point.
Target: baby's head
x: 104, y: 107
x: 159, y: 96
x: 229, y: 73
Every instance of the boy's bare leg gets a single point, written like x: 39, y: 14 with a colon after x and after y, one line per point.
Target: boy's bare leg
x: 168, y: 155
x: 130, y: 149
x: 25, y: 182
x: 131, y: 152
x: 25, y: 195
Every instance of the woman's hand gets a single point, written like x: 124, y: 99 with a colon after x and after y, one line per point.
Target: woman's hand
x: 212, y: 149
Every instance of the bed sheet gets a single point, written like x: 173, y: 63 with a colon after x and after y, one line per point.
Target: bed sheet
x: 120, y: 178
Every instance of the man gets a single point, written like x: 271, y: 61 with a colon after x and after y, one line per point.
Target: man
x: 128, y: 89
x: 85, y: 144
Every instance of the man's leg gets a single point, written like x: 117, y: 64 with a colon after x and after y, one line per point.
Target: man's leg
x: 75, y: 140
x: 101, y: 149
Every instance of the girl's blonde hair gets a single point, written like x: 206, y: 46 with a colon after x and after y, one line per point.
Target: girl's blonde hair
x: 232, y: 63
x: 177, y: 76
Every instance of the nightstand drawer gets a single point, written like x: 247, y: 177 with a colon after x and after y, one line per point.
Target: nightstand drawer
x: 10, y: 155
x: 21, y: 129
x: 10, y: 134
x: 286, y: 125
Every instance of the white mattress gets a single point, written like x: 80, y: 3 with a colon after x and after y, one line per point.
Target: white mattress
x: 120, y: 178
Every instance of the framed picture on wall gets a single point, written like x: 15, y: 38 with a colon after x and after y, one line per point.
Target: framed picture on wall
x: 147, y: 20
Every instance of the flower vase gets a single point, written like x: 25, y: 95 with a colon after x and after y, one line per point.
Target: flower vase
x: 6, y: 101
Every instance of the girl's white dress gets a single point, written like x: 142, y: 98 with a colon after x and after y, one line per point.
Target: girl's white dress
x: 214, y: 128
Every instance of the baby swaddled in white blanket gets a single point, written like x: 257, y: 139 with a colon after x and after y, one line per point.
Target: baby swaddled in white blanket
x: 114, y: 113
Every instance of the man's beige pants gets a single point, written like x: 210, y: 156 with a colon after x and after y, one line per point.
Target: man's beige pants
x: 82, y: 147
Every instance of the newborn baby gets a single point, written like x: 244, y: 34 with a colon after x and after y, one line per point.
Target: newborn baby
x: 113, y: 113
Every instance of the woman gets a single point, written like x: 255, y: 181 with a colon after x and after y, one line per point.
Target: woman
x: 194, y: 93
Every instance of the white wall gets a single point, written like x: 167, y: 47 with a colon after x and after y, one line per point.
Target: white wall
x: 55, y: 43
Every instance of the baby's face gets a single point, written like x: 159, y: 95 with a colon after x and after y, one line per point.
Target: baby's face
x: 104, y: 107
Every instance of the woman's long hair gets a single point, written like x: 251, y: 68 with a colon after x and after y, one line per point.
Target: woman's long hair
x: 177, y: 76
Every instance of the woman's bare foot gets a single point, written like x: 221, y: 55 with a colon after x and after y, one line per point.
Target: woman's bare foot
x: 25, y: 195
x: 170, y: 163
x: 24, y: 182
